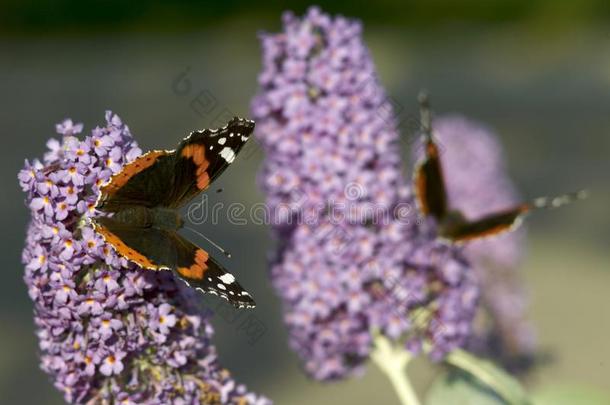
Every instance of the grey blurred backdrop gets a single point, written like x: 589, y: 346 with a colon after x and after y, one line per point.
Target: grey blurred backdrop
x: 537, y: 71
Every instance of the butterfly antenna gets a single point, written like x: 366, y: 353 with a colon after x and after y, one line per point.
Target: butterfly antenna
x: 210, y: 241
x: 558, y: 201
x: 425, y: 114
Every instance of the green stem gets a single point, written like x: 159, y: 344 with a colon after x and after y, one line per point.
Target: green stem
x: 496, y: 379
x: 393, y: 361
x: 486, y: 372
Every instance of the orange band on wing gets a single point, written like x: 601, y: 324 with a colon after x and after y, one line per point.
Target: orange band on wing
x: 197, y: 154
x: 421, y: 184
x: 197, y: 269
x: 431, y: 150
x: 488, y: 232
x: 499, y: 228
x: 131, y: 169
x: 124, y: 250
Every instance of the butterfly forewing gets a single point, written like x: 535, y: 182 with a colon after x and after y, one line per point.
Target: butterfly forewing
x: 139, y: 182
x: 200, y: 271
x: 489, y: 225
x: 203, y: 156
x: 429, y: 183
x: 157, y: 249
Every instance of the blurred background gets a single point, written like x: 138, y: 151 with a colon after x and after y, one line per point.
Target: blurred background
x: 536, y: 71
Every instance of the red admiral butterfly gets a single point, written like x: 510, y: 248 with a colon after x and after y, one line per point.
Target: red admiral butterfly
x: 144, y: 197
x: 432, y: 198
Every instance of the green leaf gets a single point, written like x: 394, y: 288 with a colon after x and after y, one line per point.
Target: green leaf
x: 459, y: 388
x: 493, y: 377
x: 570, y: 395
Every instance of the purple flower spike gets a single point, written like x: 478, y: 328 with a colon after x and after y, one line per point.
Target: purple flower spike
x: 478, y: 184
x: 352, y: 259
x: 109, y: 332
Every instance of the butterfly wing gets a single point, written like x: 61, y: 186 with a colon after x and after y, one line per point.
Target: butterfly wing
x: 142, y: 182
x: 506, y: 220
x: 429, y: 183
x: 157, y: 249
x: 200, y: 271
x: 489, y: 225
x: 203, y: 156
x: 150, y: 248
x: 171, y: 178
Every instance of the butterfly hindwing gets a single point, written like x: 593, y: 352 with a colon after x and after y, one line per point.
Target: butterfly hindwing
x: 429, y: 183
x: 203, y: 156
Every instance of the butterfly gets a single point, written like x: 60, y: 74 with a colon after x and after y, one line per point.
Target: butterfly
x: 140, y: 206
x: 432, y: 199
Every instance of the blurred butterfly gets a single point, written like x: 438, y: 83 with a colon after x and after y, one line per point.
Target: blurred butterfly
x: 431, y: 196
x: 143, y: 199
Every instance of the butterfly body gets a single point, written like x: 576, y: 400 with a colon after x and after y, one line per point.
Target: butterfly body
x: 142, y: 217
x: 139, y: 208
x: 450, y: 223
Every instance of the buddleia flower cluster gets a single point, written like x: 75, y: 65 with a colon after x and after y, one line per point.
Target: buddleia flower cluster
x: 352, y: 260
x: 109, y: 332
x: 478, y: 184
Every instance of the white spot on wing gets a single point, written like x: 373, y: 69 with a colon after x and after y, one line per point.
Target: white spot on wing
x: 221, y: 286
x: 222, y: 141
x: 227, y: 278
x: 540, y: 202
x: 227, y: 154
